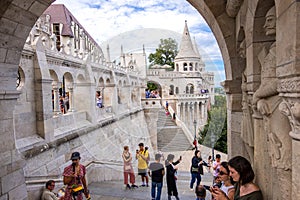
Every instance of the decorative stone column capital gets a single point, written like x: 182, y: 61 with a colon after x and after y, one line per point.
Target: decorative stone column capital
x: 291, y: 108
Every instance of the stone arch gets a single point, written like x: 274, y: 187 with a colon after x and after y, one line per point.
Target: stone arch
x: 176, y: 90
x: 171, y: 90
x: 213, y: 12
x: 101, y: 82
x: 80, y: 79
x: 158, y: 85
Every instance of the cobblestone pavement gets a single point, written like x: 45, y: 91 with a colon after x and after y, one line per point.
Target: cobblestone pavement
x: 114, y: 190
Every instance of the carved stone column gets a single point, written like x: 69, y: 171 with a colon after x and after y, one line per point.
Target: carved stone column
x: 291, y: 108
x: 56, y: 110
x: 71, y: 102
x: 202, y: 111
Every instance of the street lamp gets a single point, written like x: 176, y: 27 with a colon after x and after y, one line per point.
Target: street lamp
x: 213, y: 139
x: 195, y: 138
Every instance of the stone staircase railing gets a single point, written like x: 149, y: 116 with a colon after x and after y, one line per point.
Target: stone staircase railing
x: 181, y: 124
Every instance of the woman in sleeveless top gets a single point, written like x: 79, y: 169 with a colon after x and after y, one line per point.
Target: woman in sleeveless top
x: 227, y: 183
x: 128, y: 169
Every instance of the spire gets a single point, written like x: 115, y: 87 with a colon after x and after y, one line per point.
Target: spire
x: 123, y: 57
x: 108, y: 53
x: 186, y: 47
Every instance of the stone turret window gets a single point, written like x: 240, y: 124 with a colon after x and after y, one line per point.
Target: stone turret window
x: 191, y: 66
x: 171, y: 91
x: 187, y: 89
x: 177, y: 90
x: 177, y: 67
x: 184, y: 67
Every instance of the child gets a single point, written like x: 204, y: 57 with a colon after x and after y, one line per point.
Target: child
x: 200, y: 192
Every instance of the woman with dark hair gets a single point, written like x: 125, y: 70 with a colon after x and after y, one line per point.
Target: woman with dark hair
x: 227, y: 182
x: 171, y: 168
x: 196, y: 169
x: 242, y: 173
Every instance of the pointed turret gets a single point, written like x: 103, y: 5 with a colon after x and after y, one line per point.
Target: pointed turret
x: 186, y: 46
x: 196, y: 48
x: 188, y: 58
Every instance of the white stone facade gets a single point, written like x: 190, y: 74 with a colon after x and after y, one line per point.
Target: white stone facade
x: 231, y: 21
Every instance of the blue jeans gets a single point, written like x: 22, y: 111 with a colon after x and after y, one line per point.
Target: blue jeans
x: 153, y: 188
x: 194, y: 177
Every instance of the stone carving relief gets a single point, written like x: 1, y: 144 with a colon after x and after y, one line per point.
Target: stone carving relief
x: 266, y: 101
x: 233, y: 7
x: 247, y: 131
x: 291, y: 109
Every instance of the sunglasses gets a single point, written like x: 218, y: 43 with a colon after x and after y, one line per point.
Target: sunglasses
x: 222, y: 173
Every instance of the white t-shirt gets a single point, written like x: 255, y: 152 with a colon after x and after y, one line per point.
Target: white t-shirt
x: 216, y: 171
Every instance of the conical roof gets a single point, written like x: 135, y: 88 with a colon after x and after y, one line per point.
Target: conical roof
x: 186, y: 46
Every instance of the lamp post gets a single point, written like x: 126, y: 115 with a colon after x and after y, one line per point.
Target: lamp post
x: 213, y: 138
x: 195, y: 138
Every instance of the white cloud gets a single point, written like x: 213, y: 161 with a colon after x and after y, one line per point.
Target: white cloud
x: 105, y: 19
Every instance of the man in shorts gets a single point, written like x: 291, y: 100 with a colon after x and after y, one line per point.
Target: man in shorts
x: 143, y: 158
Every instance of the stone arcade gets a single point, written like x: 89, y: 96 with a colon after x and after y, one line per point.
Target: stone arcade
x: 272, y: 146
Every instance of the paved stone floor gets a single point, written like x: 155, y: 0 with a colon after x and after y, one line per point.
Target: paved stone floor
x: 114, y: 190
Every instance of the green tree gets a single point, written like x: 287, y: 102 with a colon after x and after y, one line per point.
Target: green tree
x: 216, y: 126
x: 151, y: 86
x: 165, y: 53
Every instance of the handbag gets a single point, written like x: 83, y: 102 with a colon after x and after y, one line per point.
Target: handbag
x: 127, y: 167
x: 77, y: 189
x: 195, y: 169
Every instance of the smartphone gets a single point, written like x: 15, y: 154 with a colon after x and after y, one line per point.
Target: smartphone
x: 206, y: 187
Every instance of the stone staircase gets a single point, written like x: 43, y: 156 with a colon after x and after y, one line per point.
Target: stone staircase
x: 170, y: 137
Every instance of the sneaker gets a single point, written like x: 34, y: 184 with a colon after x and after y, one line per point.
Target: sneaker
x: 191, y: 189
x: 128, y: 186
x: 134, y: 186
x: 143, y: 185
x: 147, y: 185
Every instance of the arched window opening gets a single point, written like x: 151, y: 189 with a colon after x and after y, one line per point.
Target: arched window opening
x: 184, y: 67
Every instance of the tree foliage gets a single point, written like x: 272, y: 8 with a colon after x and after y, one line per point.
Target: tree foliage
x: 216, y: 126
x: 165, y: 53
x: 151, y: 86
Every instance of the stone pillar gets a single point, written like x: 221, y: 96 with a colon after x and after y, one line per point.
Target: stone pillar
x: 234, y: 116
x: 56, y: 110
x: 183, y: 112
x: 202, y: 111
x: 71, y: 102
x: 291, y: 108
x: 178, y: 107
x: 12, y: 180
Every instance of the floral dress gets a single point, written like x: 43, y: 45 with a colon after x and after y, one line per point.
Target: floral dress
x: 68, y: 171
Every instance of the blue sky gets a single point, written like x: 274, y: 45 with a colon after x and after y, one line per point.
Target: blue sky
x: 105, y: 19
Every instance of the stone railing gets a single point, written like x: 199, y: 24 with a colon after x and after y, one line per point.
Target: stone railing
x: 191, y: 96
x: 181, y: 124
x: 97, y: 171
x: 148, y: 103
